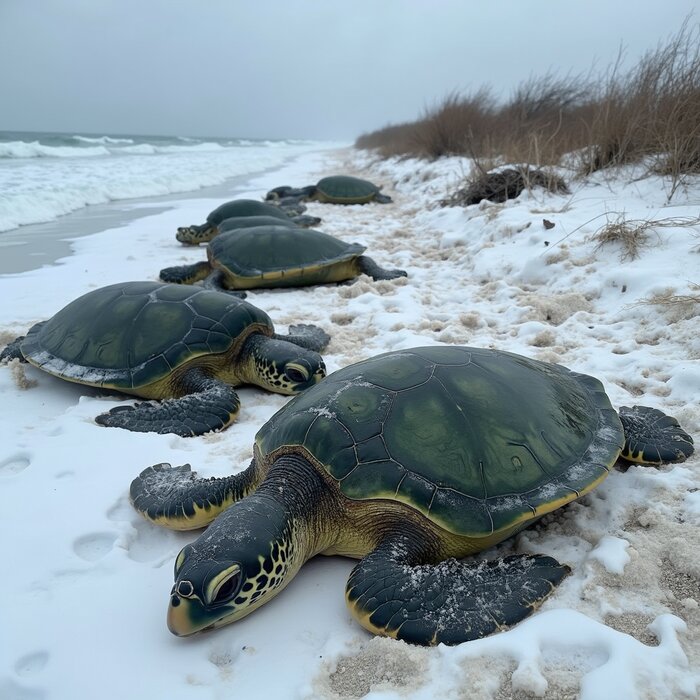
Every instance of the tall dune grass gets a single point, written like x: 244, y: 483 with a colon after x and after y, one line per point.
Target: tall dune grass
x: 649, y: 113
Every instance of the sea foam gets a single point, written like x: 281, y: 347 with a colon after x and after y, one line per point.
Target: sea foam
x: 42, y: 179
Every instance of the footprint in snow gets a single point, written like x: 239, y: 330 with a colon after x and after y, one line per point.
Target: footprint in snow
x: 31, y: 664
x: 15, y: 464
x: 94, y: 546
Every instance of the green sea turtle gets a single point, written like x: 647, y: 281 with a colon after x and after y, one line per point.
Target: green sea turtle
x: 407, y: 461
x: 277, y: 256
x: 186, y: 347
x: 335, y: 189
x: 194, y: 235
x: 238, y: 222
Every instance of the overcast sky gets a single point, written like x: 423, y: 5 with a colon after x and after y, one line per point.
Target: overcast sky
x: 293, y: 68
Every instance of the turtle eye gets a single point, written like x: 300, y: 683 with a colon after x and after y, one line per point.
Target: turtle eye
x: 226, y: 586
x: 297, y: 374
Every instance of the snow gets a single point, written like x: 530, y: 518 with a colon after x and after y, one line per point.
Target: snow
x: 87, y: 580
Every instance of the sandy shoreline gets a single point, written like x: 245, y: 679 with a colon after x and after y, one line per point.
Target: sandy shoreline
x: 34, y: 245
x: 626, y: 621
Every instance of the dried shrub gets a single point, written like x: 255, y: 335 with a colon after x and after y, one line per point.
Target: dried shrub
x: 502, y: 185
x: 651, y: 111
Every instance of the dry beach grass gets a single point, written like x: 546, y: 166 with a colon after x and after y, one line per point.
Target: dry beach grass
x: 649, y: 112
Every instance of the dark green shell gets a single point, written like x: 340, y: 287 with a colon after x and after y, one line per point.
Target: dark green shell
x: 345, y: 187
x: 477, y: 440
x: 262, y: 250
x: 131, y: 334
x: 238, y: 222
x: 244, y: 207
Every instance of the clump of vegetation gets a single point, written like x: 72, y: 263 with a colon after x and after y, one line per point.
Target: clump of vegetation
x: 649, y: 113
x: 500, y: 185
x: 671, y: 299
x: 677, y: 307
x: 635, y: 234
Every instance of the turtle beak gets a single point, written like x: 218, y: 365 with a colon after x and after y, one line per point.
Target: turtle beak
x: 180, y: 617
x: 187, y: 616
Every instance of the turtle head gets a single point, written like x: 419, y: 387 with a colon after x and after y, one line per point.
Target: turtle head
x: 242, y: 560
x: 194, y: 235
x: 281, y: 366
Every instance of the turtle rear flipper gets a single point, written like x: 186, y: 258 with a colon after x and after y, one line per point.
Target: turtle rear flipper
x: 175, y: 497
x: 215, y: 282
x: 306, y: 221
x: 652, y: 437
x: 367, y: 266
x: 306, y: 335
x: 12, y: 352
x: 209, y: 405
x: 393, y: 593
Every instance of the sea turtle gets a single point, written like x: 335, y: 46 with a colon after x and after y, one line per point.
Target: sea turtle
x: 335, y: 189
x: 194, y: 235
x: 407, y: 461
x: 187, y: 347
x: 277, y: 256
x: 238, y: 222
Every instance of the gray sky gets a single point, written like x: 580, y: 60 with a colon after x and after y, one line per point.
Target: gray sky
x: 293, y: 68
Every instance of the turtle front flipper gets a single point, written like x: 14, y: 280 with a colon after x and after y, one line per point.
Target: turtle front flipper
x: 368, y: 267
x: 186, y: 274
x: 175, y: 497
x: 652, y: 437
x: 306, y: 335
x: 209, y: 404
x: 393, y: 592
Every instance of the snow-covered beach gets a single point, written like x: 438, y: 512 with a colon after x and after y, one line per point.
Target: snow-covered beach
x: 89, y: 579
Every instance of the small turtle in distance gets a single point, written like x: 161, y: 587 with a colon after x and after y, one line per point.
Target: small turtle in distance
x: 194, y: 235
x: 335, y: 189
x: 185, y: 348
x: 277, y: 256
x: 408, y: 461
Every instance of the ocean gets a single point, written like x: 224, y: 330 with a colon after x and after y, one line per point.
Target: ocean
x: 46, y: 175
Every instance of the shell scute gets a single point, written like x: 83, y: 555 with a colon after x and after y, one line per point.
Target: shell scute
x: 381, y: 478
